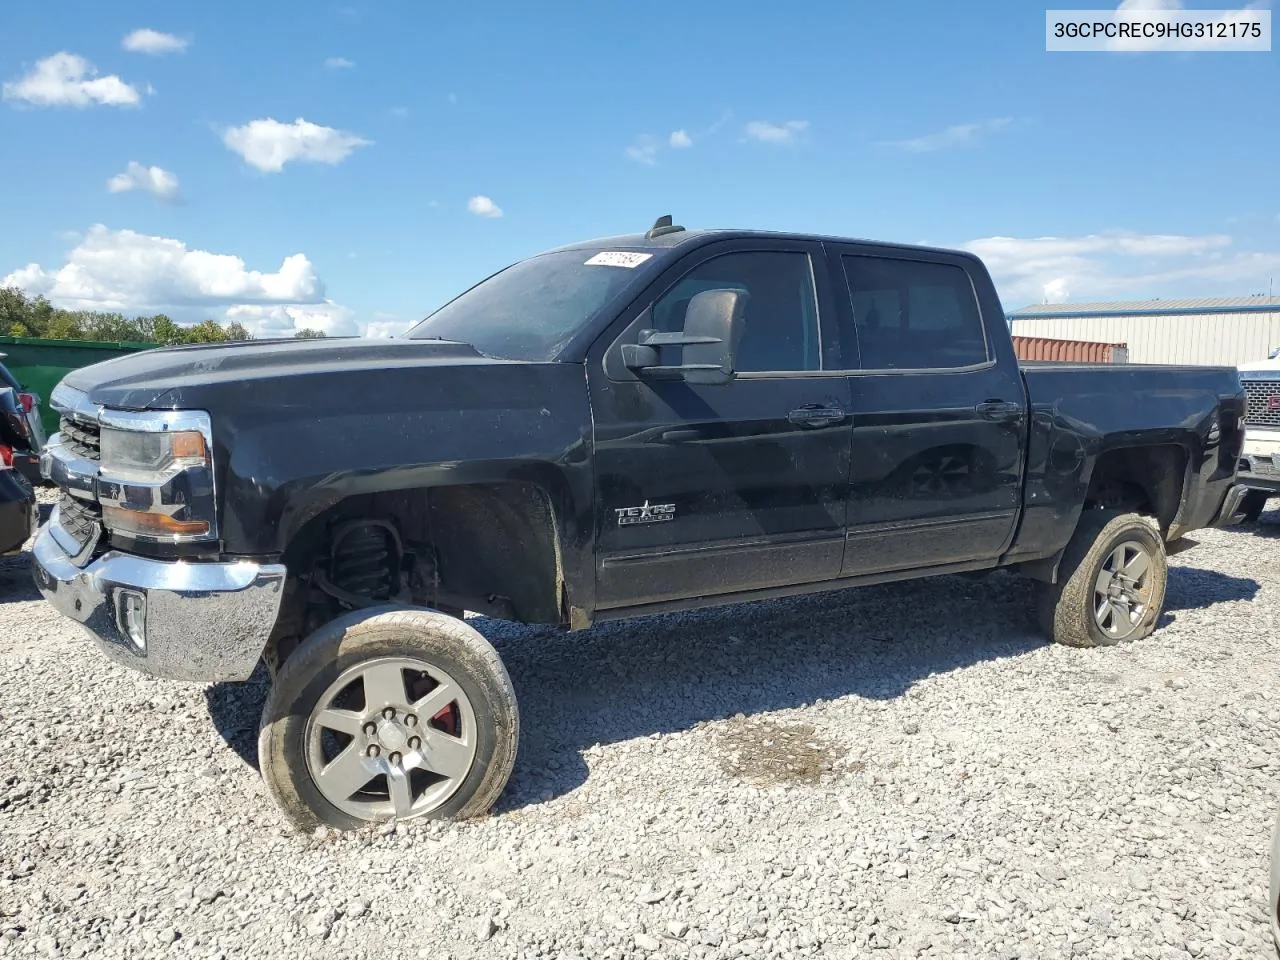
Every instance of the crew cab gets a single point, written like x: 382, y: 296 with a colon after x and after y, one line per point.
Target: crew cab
x: 616, y: 428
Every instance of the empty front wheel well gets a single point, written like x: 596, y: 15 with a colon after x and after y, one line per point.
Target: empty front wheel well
x: 491, y: 548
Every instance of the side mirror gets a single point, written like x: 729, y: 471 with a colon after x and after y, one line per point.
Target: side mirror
x: 714, y: 321
x: 712, y: 328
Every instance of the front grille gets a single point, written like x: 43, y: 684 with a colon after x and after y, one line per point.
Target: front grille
x: 1262, y: 403
x: 81, y: 438
x: 78, y: 517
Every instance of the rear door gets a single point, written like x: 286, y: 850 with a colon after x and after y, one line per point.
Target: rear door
x: 939, y: 413
x: 712, y: 489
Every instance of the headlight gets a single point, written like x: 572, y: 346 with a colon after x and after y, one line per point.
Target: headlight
x: 155, y: 481
x: 145, y: 455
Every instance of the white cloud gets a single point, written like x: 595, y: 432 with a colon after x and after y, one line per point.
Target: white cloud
x: 269, y: 144
x: 383, y: 325
x: 1056, y: 291
x: 954, y: 136
x: 483, y: 207
x: 782, y: 133
x: 68, y: 80
x: 645, y: 149
x: 1120, y: 264
x: 330, y: 318
x: 679, y: 140
x: 400, y: 113
x: 158, y: 182
x: 153, y: 42
x: 128, y: 271
x: 339, y: 63
x: 715, y: 128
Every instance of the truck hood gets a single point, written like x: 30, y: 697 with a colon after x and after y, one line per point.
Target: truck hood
x: 1261, y: 366
x: 167, y: 377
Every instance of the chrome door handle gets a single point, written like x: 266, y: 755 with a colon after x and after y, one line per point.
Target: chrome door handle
x: 816, y: 415
x: 997, y: 409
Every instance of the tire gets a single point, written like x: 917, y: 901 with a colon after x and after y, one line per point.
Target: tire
x: 1254, y: 502
x: 1074, y: 611
x: 464, y: 752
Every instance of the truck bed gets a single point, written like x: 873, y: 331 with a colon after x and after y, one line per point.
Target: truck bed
x: 1187, y: 419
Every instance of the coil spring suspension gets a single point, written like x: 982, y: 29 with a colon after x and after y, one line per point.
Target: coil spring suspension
x: 364, y: 562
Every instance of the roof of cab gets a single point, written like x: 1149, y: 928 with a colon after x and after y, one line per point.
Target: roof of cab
x: 667, y: 241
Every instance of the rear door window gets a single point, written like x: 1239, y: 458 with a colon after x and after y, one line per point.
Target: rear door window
x: 913, y: 314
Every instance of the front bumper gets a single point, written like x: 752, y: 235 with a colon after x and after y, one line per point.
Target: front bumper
x: 180, y: 620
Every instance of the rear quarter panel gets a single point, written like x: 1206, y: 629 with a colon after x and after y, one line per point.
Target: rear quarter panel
x: 1080, y: 412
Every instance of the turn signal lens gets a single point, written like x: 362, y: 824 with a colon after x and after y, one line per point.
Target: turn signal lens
x: 188, y: 445
x: 120, y: 520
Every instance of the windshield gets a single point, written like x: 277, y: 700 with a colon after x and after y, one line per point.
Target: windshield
x: 530, y: 310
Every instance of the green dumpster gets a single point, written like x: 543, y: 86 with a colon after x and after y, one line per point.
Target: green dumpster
x: 39, y: 364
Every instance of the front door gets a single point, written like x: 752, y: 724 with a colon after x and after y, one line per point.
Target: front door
x: 939, y: 416
x: 712, y: 489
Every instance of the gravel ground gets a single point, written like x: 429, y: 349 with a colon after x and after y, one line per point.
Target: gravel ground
x: 894, y: 772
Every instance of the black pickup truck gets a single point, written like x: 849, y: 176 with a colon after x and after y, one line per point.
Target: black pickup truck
x: 629, y: 426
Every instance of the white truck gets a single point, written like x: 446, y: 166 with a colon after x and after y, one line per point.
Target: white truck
x: 1260, y: 461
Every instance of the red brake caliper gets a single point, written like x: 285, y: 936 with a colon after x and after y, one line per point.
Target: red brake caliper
x: 447, y: 720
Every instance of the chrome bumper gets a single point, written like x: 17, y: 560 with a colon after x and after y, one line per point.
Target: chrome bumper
x: 178, y: 620
x: 1259, y: 472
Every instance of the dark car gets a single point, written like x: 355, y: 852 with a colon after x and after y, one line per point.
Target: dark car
x: 617, y: 428
x: 17, y: 497
x: 27, y: 461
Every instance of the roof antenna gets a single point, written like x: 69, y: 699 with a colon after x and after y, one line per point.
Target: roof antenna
x: 661, y: 227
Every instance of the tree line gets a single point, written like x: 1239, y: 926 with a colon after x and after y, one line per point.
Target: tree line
x: 25, y: 316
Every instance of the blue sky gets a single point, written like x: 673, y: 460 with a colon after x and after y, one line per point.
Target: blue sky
x: 1079, y: 176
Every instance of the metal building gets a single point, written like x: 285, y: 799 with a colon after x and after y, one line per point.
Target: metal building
x: 1224, y: 331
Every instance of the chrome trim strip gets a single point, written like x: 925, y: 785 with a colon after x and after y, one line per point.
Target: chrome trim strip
x: 75, y: 476
x: 72, y: 402
x: 203, y: 621
x: 156, y: 421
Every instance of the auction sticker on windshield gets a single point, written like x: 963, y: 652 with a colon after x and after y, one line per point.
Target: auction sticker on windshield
x: 618, y: 258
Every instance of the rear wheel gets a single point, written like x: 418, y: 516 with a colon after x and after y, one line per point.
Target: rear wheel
x: 388, y: 714
x: 1111, y: 582
x: 1253, y: 503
